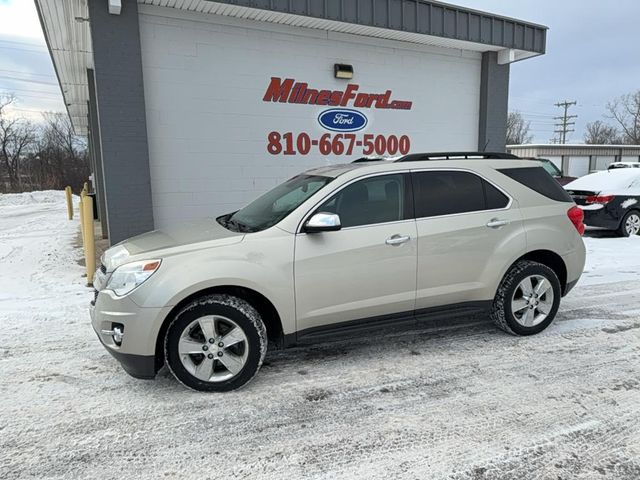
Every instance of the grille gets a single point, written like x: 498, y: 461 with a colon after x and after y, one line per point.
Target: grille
x: 103, y: 269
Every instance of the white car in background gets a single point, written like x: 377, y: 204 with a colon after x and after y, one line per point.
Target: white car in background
x: 616, y: 165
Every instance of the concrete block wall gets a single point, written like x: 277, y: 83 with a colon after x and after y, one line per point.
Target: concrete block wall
x: 119, y: 100
x: 205, y: 77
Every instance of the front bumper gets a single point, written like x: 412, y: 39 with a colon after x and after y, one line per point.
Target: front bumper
x: 138, y: 366
x: 136, y: 351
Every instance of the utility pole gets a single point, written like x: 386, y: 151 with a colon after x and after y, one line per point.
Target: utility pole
x: 565, y: 121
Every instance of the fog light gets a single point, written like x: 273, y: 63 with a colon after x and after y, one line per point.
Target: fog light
x: 116, y: 332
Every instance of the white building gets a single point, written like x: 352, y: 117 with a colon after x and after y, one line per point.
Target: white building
x: 194, y: 107
x: 576, y: 160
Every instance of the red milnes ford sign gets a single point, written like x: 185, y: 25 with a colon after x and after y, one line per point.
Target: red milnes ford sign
x: 290, y: 91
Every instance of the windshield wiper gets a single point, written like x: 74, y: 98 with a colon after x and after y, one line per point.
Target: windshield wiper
x: 230, y: 224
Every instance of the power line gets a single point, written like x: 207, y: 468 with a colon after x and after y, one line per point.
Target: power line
x: 29, y: 110
x: 9, y: 91
x: 565, y: 120
x: 41, y: 97
x: 48, y: 75
x: 39, y: 82
x: 533, y: 114
x: 24, y: 49
x: 39, y: 45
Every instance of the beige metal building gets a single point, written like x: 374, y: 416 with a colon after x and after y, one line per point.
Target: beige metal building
x: 576, y: 160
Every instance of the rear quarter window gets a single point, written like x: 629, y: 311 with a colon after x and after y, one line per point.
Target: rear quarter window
x: 538, y: 180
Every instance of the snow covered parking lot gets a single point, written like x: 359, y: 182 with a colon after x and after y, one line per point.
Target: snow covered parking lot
x: 463, y: 403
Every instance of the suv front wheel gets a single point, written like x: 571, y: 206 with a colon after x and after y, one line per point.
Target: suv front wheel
x: 527, y: 300
x: 216, y: 343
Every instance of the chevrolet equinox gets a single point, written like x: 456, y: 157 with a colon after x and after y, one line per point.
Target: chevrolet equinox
x: 370, y: 244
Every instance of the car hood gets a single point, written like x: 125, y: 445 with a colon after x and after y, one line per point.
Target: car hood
x: 167, y: 241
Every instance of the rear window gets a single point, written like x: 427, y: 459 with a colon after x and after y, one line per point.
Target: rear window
x: 539, y: 180
x: 450, y: 192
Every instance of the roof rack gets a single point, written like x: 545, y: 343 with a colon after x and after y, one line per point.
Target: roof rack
x: 418, y: 157
x: 368, y: 159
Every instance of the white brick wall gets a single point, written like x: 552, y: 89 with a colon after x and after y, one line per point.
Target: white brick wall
x: 204, y: 79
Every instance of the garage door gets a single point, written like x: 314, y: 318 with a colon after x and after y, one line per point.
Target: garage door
x: 578, y: 166
x: 602, y: 162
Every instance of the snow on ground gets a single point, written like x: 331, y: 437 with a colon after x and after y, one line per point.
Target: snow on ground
x: 611, y: 258
x: 460, y: 403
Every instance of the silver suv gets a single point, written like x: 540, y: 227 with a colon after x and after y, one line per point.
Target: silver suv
x: 336, y: 249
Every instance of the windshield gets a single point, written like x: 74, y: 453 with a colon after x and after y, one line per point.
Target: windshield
x: 274, y: 205
x: 622, y: 165
x: 550, y: 167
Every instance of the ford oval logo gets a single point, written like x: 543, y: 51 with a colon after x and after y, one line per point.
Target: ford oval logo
x: 342, y: 120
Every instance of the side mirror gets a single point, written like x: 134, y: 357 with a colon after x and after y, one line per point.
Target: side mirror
x: 322, y: 222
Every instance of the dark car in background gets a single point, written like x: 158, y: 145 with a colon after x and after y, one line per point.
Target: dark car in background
x: 553, y: 170
x: 609, y: 199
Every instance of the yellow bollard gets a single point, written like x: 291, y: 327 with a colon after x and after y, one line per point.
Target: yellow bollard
x: 69, y: 196
x: 82, y: 197
x: 89, y: 242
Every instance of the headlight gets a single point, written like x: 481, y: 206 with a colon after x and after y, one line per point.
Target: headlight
x: 129, y: 276
x: 114, y: 256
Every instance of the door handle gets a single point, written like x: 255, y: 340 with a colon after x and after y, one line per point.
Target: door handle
x: 496, y: 223
x: 395, y: 240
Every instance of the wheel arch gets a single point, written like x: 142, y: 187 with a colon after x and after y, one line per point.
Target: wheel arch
x: 266, y: 309
x: 551, y: 260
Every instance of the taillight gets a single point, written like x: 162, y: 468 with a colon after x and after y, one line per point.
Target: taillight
x: 601, y: 199
x: 576, y: 215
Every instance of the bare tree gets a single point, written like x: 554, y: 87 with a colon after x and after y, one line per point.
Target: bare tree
x: 16, y: 137
x: 601, y: 133
x: 48, y: 155
x: 518, y: 129
x: 61, y: 154
x: 625, y: 111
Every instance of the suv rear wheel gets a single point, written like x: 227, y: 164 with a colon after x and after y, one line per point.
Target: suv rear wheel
x: 527, y: 300
x: 216, y: 343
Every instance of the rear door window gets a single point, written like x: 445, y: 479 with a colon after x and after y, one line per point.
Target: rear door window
x: 494, y: 198
x: 450, y: 192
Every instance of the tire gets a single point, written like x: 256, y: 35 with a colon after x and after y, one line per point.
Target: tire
x: 511, y: 295
x: 629, y: 225
x: 207, y: 364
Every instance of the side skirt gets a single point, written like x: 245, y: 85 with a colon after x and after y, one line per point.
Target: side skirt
x: 435, y: 317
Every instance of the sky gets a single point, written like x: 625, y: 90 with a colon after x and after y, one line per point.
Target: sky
x: 593, y: 56
x: 25, y: 66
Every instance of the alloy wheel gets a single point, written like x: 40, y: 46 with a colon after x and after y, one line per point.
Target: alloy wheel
x: 532, y: 300
x: 632, y: 225
x: 213, y: 348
